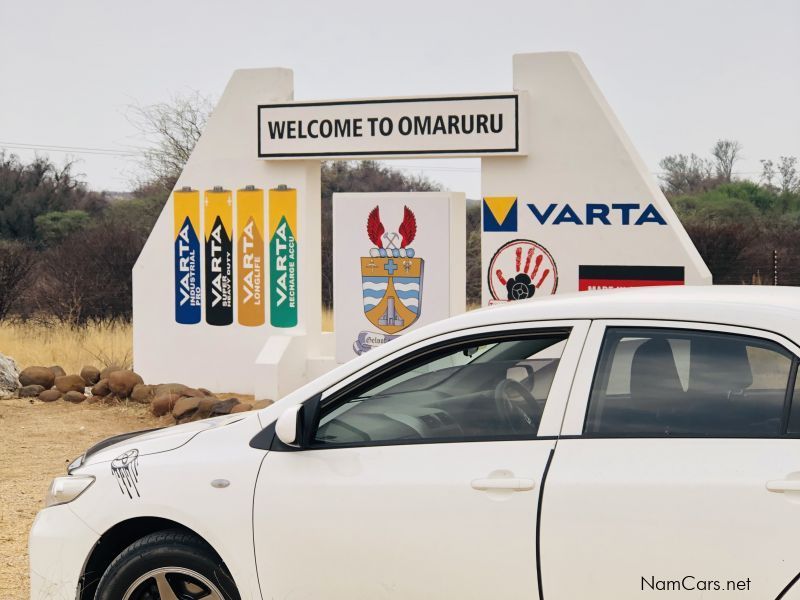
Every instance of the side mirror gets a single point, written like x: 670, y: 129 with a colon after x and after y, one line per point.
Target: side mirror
x: 288, y: 426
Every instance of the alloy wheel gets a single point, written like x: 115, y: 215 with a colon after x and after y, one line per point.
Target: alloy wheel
x: 172, y: 583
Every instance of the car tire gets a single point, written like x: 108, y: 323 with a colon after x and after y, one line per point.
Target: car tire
x: 173, y: 559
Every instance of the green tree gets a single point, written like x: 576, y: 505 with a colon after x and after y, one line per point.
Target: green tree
x: 36, y: 188
x: 138, y: 213
x: 52, y: 227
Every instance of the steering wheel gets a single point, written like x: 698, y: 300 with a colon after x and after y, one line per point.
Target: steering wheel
x: 516, y: 407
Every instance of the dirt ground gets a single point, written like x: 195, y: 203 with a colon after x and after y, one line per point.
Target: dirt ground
x: 37, y: 441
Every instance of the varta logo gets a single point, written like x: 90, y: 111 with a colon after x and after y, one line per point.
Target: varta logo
x: 597, y: 214
x: 186, y: 264
x: 251, y: 265
x: 285, y: 264
x: 216, y: 263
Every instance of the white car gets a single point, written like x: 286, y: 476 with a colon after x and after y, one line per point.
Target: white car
x: 613, y: 445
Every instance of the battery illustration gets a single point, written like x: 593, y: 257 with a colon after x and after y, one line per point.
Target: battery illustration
x: 218, y: 227
x: 188, y: 288
x: 250, y: 256
x: 283, y: 257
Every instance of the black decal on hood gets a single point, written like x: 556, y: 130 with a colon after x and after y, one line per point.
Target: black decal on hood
x: 126, y: 470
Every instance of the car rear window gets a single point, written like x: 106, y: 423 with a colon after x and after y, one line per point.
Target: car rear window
x: 674, y: 382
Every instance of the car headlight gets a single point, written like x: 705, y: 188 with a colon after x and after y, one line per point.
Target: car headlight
x: 66, y: 489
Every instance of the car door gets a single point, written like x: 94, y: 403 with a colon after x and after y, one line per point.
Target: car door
x: 678, y: 467
x: 421, y: 479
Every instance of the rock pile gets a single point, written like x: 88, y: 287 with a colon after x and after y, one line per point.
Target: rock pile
x: 114, y: 385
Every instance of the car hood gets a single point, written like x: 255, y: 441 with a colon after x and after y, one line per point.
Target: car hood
x: 152, y: 441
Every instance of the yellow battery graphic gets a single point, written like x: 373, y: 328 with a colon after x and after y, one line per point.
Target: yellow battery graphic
x: 283, y: 257
x: 250, y: 256
x: 186, y: 241
x: 218, y: 228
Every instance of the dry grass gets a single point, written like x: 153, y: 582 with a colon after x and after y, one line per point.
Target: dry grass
x: 100, y: 345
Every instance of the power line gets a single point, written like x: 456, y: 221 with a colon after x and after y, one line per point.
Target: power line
x: 69, y: 149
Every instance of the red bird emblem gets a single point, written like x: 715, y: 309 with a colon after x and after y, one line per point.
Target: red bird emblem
x: 408, y: 228
x: 375, y: 228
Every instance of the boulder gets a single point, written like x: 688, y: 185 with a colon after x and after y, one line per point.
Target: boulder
x: 101, y: 388
x: 142, y: 393
x: 205, y: 392
x: 110, y: 400
x: 241, y: 408
x: 204, y: 407
x: 94, y: 399
x: 185, y: 407
x: 74, y: 397
x: 9, y: 376
x: 50, y: 395
x: 30, y: 391
x: 70, y: 383
x: 259, y: 404
x: 122, y: 382
x: 37, y: 376
x: 177, y: 388
x: 161, y: 405
x: 109, y: 370
x: 57, y: 371
x: 223, y: 407
x: 91, y: 375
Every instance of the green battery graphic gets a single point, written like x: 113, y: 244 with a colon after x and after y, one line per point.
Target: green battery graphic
x: 283, y: 257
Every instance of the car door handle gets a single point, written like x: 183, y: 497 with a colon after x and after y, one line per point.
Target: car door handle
x: 784, y: 485
x: 515, y: 484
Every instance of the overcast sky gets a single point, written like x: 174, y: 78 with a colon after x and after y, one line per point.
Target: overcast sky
x: 679, y: 73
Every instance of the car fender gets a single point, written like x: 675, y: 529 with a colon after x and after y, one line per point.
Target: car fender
x: 177, y: 485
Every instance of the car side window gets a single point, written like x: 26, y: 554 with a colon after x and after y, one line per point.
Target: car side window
x: 480, y: 389
x: 672, y: 382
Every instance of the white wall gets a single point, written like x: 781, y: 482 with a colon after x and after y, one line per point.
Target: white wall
x: 223, y: 358
x: 578, y: 153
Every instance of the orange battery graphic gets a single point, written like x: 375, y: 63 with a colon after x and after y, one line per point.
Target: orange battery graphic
x: 218, y: 226
x: 250, y: 256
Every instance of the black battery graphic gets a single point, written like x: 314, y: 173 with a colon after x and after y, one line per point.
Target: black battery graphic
x: 218, y: 227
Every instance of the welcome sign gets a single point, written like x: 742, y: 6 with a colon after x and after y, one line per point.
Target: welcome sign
x: 426, y: 126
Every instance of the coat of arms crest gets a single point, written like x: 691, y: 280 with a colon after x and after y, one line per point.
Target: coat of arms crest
x: 391, y: 278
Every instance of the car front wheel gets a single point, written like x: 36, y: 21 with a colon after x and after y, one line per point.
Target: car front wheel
x: 167, y: 565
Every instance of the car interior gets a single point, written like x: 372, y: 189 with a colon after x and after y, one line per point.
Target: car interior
x: 481, y: 390
x: 697, y: 383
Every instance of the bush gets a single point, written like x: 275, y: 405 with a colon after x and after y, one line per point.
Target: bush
x: 87, y: 277
x: 53, y: 227
x: 16, y: 262
x: 30, y: 190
